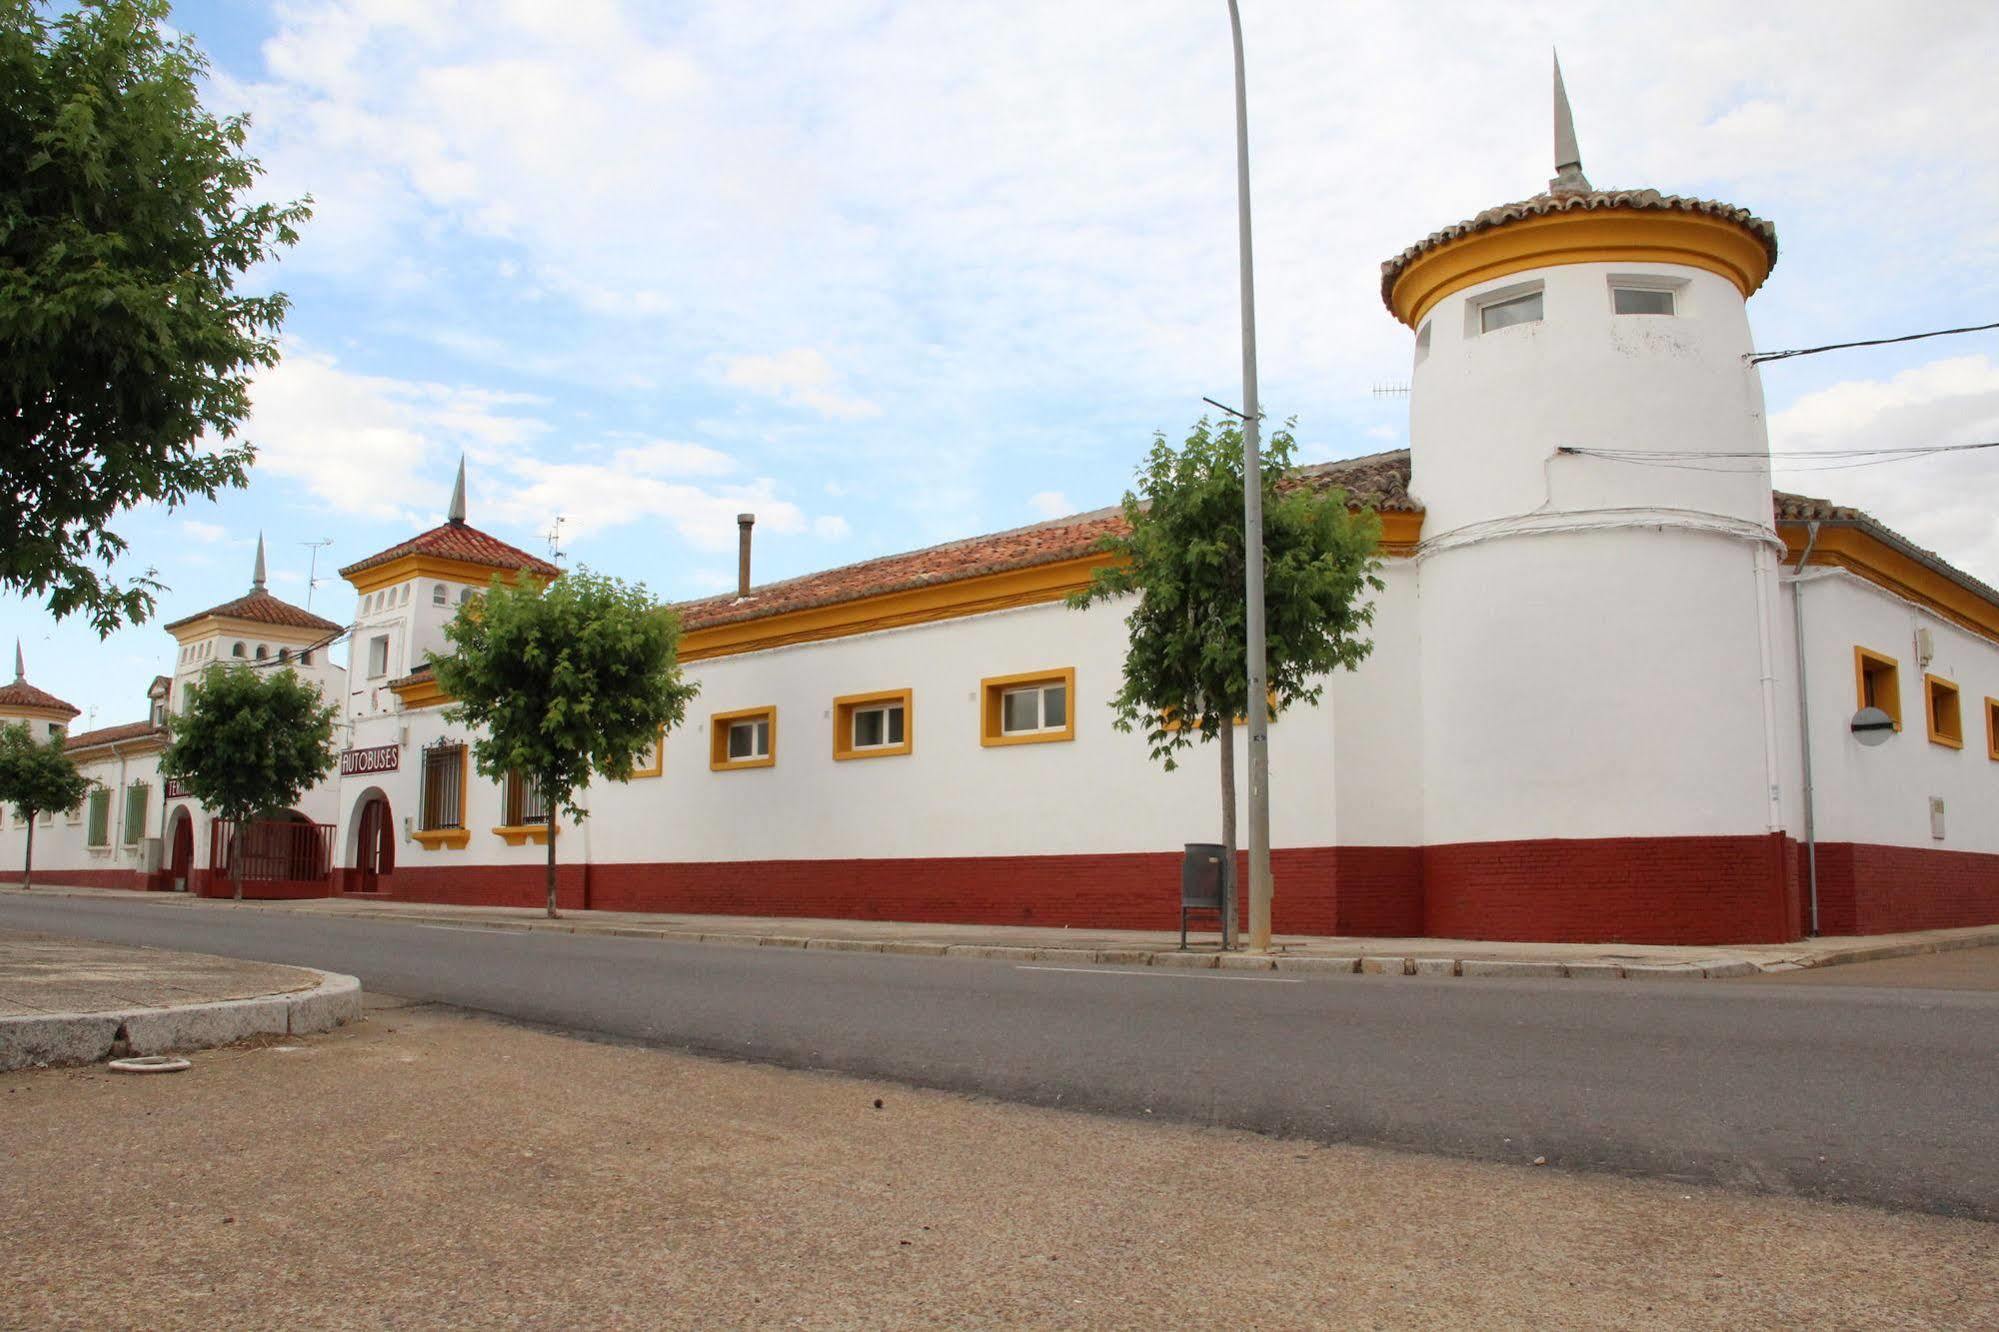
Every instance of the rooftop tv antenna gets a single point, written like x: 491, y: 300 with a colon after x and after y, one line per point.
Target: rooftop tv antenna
x: 312, y: 578
x: 555, y: 550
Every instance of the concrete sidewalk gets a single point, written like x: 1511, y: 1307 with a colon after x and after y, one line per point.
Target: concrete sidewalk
x: 70, y: 1001
x: 1292, y: 953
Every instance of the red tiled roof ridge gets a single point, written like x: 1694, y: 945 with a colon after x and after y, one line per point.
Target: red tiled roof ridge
x: 1570, y: 201
x: 260, y: 607
x: 105, y: 735
x: 21, y: 694
x: 462, y: 542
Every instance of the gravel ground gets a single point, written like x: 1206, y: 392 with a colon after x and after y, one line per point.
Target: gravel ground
x: 426, y: 1169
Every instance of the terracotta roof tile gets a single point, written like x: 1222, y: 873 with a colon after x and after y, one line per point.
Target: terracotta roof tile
x: 1803, y: 508
x: 1570, y: 201
x: 105, y: 735
x: 262, y: 608
x: 458, y: 541
x: 1380, y: 479
x: 21, y: 694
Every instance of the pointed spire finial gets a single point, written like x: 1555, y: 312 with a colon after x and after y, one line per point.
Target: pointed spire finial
x: 457, y: 513
x: 20, y: 665
x: 1568, y: 158
x: 257, y: 578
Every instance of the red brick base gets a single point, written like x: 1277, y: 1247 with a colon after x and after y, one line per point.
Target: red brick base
x: 1674, y: 890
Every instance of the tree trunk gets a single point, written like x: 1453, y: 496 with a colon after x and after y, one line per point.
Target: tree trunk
x: 1228, y: 836
x: 236, y: 858
x: 552, y: 914
x: 28, y: 869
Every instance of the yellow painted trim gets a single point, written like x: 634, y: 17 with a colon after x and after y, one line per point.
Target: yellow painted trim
x: 844, y: 708
x: 421, y: 694
x: 1401, y: 531
x: 1595, y: 236
x: 434, y: 838
x: 520, y: 834
x: 718, y: 739
x: 658, y: 759
x: 1936, y: 688
x: 1861, y: 657
x: 993, y: 686
x: 1868, y: 557
x: 289, y: 635
x: 1992, y: 729
x: 407, y: 567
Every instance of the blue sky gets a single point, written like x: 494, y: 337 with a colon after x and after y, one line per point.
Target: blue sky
x: 894, y: 274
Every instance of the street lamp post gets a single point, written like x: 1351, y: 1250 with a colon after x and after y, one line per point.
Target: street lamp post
x: 1252, y: 507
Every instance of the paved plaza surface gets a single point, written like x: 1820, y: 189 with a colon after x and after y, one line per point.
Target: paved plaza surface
x: 46, y: 973
x: 1843, y: 1093
x: 427, y: 1169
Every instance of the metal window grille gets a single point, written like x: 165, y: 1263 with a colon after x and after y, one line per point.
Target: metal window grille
x: 443, y: 787
x: 525, y: 803
x: 135, y: 812
x: 99, y: 833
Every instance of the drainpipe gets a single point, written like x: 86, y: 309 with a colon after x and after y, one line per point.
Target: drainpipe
x: 1805, y: 724
x: 1766, y: 579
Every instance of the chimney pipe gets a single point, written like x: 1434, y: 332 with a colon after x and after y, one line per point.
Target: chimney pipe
x: 744, y: 522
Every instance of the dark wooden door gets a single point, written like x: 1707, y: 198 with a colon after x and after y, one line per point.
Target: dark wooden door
x: 375, y: 847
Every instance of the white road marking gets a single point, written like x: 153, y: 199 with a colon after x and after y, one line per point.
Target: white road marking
x: 1162, y: 975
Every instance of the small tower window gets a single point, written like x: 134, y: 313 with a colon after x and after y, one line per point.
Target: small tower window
x: 1641, y: 301
x: 1495, y: 315
x: 438, y: 594
x: 236, y: 651
x: 262, y: 652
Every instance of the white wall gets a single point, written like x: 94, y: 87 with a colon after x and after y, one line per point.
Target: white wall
x: 1881, y: 795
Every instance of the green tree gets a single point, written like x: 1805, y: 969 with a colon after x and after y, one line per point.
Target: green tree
x: 124, y: 227
x: 559, y: 682
x: 250, y: 741
x: 35, y: 777
x: 1186, y: 669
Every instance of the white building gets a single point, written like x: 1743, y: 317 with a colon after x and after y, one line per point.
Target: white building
x: 1582, y: 719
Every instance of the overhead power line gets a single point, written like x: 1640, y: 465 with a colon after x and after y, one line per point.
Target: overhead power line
x: 1757, y: 358
x: 1790, y: 460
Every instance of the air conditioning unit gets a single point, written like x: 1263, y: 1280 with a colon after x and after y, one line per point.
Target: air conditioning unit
x: 152, y: 855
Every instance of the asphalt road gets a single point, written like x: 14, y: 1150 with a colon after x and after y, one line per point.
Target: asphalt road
x: 1884, y: 1096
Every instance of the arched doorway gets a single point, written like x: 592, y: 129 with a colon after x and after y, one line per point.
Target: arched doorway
x: 180, y: 860
x: 374, y: 844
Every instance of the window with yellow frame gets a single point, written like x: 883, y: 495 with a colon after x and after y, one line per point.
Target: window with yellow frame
x: 746, y: 738
x: 651, y: 762
x: 1031, y: 708
x: 880, y: 725
x: 1943, y: 712
x: 1992, y: 729
x: 1878, y: 683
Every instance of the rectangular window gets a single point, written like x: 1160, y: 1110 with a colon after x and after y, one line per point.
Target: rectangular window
x: 742, y: 739
x: 1641, y: 301
x: 652, y: 762
x: 873, y: 725
x: 99, y: 832
x: 1879, y: 683
x: 1506, y: 313
x: 1028, y: 709
x: 443, y: 807
x: 1992, y: 729
x: 136, y: 799
x: 523, y: 801
x: 1944, y: 712
x: 378, y: 656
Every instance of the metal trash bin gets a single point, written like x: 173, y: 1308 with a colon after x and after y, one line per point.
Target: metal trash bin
x: 1203, y: 884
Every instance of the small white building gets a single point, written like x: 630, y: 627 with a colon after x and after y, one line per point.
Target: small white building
x: 1611, y: 696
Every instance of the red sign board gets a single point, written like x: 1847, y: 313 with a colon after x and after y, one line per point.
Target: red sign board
x: 177, y: 789
x: 379, y: 758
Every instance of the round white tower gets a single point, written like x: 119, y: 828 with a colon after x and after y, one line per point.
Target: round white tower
x: 1598, y: 740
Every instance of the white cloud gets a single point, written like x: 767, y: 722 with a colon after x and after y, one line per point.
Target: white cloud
x: 1051, y: 504
x: 831, y: 527
x: 1942, y: 502
x: 801, y: 377
x: 206, y: 533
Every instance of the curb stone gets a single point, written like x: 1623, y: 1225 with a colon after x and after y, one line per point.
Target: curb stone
x: 1477, y: 966
x: 1328, y: 966
x: 86, y: 1038
x: 1595, y: 971
x: 1199, y: 961
x: 1384, y: 966
x: 1434, y: 966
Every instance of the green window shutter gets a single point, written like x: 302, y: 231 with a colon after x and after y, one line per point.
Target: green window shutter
x: 135, y: 812
x: 100, y: 818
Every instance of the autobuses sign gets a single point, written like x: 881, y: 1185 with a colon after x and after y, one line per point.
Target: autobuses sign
x: 378, y: 758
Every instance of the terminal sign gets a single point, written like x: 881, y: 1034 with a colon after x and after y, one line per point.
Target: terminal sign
x: 379, y: 758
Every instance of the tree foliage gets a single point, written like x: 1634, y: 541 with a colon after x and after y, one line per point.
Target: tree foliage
x: 35, y: 777
x: 124, y: 228
x: 561, y: 682
x: 1186, y: 670
x: 250, y: 741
